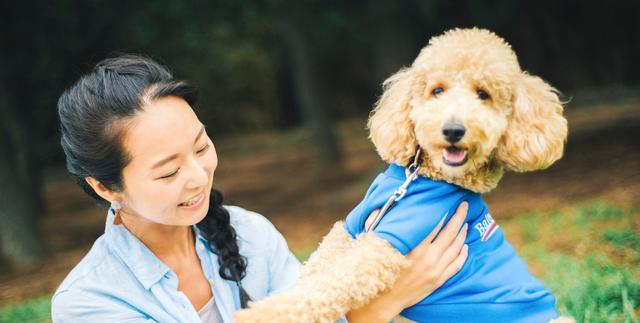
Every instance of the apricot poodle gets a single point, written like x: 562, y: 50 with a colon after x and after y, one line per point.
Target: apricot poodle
x: 449, y: 125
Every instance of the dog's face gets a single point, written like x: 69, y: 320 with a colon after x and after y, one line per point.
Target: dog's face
x: 458, y: 124
x: 461, y: 100
x: 466, y: 103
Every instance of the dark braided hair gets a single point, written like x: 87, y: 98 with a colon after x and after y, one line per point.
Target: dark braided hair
x: 93, y: 119
x: 216, y: 228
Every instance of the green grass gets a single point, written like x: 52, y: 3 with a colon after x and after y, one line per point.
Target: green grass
x: 31, y: 311
x: 591, y: 290
x: 303, y: 255
x: 588, y: 255
x: 626, y: 238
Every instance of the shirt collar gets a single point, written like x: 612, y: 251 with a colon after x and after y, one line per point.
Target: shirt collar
x: 144, y: 264
x: 199, y: 236
x: 396, y: 171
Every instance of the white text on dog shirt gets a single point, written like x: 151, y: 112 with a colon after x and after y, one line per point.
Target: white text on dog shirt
x: 486, y: 227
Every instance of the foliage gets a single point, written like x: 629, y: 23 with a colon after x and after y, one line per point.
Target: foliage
x: 235, y: 53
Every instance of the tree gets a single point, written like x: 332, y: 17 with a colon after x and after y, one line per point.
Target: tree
x: 294, y: 27
x: 20, y: 202
x: 30, y: 82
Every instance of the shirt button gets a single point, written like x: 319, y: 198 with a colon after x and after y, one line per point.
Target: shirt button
x: 200, y: 247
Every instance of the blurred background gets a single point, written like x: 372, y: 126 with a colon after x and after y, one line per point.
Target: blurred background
x: 286, y: 88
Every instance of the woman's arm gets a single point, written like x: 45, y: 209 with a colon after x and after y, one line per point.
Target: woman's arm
x: 432, y: 263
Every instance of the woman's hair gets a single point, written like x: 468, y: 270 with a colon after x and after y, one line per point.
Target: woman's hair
x: 94, y: 114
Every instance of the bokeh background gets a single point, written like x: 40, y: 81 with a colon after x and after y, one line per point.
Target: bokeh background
x: 286, y: 87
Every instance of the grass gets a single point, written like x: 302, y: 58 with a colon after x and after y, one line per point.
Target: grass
x: 592, y: 290
x: 587, y: 254
x: 31, y: 311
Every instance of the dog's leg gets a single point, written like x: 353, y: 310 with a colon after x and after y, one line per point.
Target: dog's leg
x: 345, y: 274
x: 333, y: 246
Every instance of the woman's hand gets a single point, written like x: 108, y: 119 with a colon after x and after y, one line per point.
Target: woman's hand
x: 433, y: 262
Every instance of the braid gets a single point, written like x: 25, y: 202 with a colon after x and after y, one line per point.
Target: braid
x: 217, y: 229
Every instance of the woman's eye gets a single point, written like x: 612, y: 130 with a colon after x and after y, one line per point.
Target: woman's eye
x: 170, y: 175
x: 203, y: 149
x: 483, y: 95
x: 437, y: 91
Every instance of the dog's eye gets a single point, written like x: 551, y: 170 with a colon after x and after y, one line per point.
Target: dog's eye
x: 437, y: 91
x: 483, y: 95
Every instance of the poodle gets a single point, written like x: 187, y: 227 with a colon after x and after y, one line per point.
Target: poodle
x: 449, y: 126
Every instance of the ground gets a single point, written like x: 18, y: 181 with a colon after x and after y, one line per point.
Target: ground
x: 277, y: 175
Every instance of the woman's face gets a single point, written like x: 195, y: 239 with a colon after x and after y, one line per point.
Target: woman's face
x: 169, y: 178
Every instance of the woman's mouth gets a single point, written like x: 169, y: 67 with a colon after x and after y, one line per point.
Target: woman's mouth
x: 193, y: 203
x: 454, y: 156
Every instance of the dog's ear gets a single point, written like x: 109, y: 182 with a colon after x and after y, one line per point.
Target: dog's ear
x: 391, y: 130
x: 537, y: 130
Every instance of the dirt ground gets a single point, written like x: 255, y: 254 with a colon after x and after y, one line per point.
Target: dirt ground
x: 278, y: 176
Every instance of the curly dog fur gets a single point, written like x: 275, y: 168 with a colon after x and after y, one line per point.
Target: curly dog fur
x: 519, y: 127
x: 513, y: 121
x: 325, y: 290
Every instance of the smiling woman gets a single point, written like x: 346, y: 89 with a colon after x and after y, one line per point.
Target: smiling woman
x: 171, y: 252
x: 165, y: 180
x: 133, y: 141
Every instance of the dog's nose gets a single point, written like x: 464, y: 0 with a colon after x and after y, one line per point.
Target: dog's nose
x: 453, y: 132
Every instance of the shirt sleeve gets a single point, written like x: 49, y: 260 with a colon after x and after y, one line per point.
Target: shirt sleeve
x: 415, y: 216
x: 284, y: 267
x: 274, y: 267
x: 75, y: 306
x: 411, y: 220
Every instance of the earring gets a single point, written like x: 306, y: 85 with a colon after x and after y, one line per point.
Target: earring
x: 116, y: 205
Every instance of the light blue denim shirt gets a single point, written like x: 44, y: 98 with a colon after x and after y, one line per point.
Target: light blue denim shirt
x: 121, y: 280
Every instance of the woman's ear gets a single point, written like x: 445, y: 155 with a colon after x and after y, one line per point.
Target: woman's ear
x: 391, y: 129
x: 537, y: 130
x: 102, y: 191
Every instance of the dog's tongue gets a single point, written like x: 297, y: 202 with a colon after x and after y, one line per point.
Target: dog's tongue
x: 455, y: 155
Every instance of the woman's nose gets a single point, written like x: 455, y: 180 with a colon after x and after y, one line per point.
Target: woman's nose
x: 198, y: 175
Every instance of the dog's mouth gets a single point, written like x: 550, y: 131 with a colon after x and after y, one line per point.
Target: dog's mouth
x: 454, y: 156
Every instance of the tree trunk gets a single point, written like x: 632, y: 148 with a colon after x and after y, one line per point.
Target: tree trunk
x: 393, y: 48
x: 306, y: 91
x: 20, y: 202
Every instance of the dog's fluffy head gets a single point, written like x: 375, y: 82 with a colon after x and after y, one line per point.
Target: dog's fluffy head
x: 471, y: 109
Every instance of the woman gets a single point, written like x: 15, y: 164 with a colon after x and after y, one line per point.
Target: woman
x: 171, y: 252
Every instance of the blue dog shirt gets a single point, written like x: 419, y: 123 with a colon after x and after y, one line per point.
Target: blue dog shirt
x: 494, y: 284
